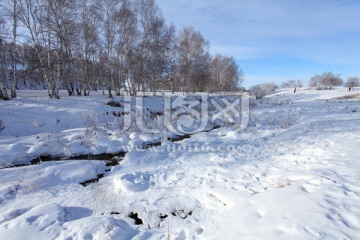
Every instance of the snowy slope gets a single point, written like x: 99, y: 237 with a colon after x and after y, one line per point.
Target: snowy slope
x: 293, y: 173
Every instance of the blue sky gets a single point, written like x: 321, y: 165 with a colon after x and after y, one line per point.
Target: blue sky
x: 276, y: 40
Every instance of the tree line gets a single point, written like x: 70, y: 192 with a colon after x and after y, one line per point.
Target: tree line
x: 324, y: 81
x: 328, y: 80
x: 114, y: 45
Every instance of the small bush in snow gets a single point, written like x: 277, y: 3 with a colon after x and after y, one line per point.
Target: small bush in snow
x: 262, y: 90
x: 288, y: 119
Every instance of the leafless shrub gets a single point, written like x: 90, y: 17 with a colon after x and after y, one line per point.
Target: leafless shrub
x: 288, y: 119
x: 260, y: 91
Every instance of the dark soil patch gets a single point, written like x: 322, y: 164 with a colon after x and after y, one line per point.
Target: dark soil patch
x: 182, y: 213
x: 118, y: 114
x: 155, y: 114
x: 114, y: 103
x: 135, y: 216
x: 91, y: 181
x: 115, y: 213
x: 151, y: 145
x: 112, y: 159
x: 180, y: 138
x: 163, y: 216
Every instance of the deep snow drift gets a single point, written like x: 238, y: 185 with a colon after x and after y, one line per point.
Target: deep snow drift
x: 293, y: 173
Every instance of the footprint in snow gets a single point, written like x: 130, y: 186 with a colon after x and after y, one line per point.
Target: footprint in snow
x: 309, y: 188
x: 32, y: 219
x: 134, y: 182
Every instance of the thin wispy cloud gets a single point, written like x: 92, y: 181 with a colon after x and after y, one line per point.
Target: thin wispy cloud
x: 322, y: 32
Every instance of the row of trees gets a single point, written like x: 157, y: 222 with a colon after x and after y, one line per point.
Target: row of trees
x: 118, y: 45
x: 292, y: 84
x: 261, y: 90
x: 326, y: 80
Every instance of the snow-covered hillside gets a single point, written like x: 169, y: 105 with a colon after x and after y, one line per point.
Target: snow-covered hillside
x: 293, y: 173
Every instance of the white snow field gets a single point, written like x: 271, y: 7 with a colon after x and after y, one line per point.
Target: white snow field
x: 293, y: 173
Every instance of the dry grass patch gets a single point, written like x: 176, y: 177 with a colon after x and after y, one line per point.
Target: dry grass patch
x: 350, y: 96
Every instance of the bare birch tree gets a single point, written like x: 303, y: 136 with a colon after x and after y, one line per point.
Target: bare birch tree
x: 126, y: 48
x: 194, y: 65
x: 110, y: 31
x: 225, y: 74
x: 4, y: 74
x: 87, y: 45
x: 35, y: 16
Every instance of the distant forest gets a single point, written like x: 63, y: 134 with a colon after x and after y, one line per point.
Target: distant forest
x: 120, y: 46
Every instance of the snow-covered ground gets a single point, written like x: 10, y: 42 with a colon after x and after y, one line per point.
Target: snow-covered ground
x: 293, y: 173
